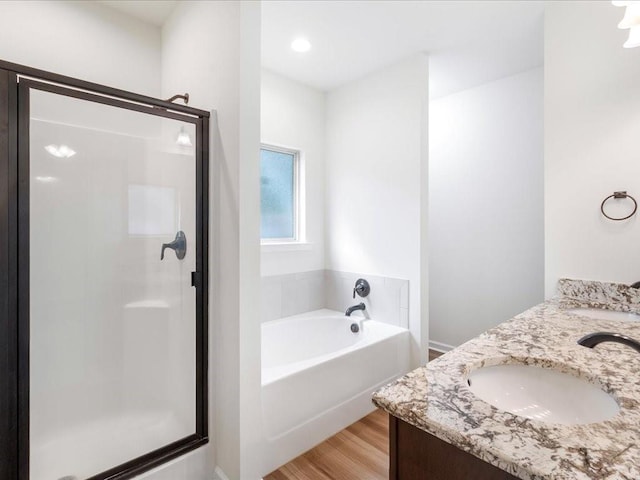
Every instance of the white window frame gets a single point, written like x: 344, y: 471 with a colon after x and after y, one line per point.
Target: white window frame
x: 298, y: 238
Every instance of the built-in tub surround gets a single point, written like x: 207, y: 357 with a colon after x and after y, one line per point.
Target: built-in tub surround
x: 318, y: 377
x: 436, y: 398
x: 297, y: 293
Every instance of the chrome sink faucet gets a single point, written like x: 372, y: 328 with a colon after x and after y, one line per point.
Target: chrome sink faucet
x: 593, y: 339
x: 350, y: 310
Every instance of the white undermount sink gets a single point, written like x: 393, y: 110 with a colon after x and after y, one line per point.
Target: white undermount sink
x: 542, y: 394
x: 602, y: 314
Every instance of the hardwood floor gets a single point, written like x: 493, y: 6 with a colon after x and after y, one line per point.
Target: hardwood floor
x: 359, y: 452
x: 433, y: 354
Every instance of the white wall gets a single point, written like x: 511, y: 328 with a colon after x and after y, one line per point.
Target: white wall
x: 486, y: 253
x: 592, y: 127
x: 376, y: 129
x: 212, y: 50
x: 293, y: 116
x: 85, y: 40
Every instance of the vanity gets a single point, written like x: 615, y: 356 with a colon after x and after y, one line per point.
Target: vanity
x: 566, y: 412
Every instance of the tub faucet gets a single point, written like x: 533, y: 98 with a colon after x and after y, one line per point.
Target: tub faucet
x: 594, y: 339
x: 350, y: 310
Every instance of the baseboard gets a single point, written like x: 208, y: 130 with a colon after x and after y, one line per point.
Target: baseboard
x: 440, y: 347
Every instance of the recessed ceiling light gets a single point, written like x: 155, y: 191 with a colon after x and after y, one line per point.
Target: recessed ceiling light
x: 300, y: 45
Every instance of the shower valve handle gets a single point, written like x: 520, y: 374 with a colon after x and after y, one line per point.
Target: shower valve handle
x: 362, y: 288
x: 179, y: 245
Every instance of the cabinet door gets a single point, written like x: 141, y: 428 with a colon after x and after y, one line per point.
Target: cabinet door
x: 417, y: 455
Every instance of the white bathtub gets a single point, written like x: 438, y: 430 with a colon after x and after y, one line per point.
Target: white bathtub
x: 318, y: 376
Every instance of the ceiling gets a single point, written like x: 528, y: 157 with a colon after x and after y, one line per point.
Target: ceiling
x: 154, y: 12
x: 469, y: 42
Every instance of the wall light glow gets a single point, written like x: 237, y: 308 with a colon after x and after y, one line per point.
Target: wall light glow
x: 631, y: 16
x: 634, y: 38
x: 300, y: 45
x: 184, y: 139
x: 60, y: 151
x: 631, y: 21
x: 46, y: 179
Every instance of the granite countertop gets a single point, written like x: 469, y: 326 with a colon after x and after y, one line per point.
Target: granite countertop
x: 436, y: 398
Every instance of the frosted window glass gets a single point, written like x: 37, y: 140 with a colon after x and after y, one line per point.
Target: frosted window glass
x: 277, y: 194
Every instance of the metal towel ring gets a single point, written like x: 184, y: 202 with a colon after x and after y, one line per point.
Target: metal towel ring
x: 619, y: 195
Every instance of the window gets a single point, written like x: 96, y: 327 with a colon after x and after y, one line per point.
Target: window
x: 279, y: 194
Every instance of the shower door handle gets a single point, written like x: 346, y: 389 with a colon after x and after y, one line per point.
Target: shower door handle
x: 179, y: 245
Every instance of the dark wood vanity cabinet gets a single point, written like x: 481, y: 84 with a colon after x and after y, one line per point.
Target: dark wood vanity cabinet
x: 416, y: 455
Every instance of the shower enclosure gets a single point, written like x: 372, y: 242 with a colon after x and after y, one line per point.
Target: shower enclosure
x: 103, y: 278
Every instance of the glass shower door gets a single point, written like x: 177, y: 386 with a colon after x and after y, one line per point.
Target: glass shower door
x: 115, y: 360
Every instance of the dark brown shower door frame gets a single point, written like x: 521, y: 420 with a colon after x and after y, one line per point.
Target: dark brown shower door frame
x: 16, y: 82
